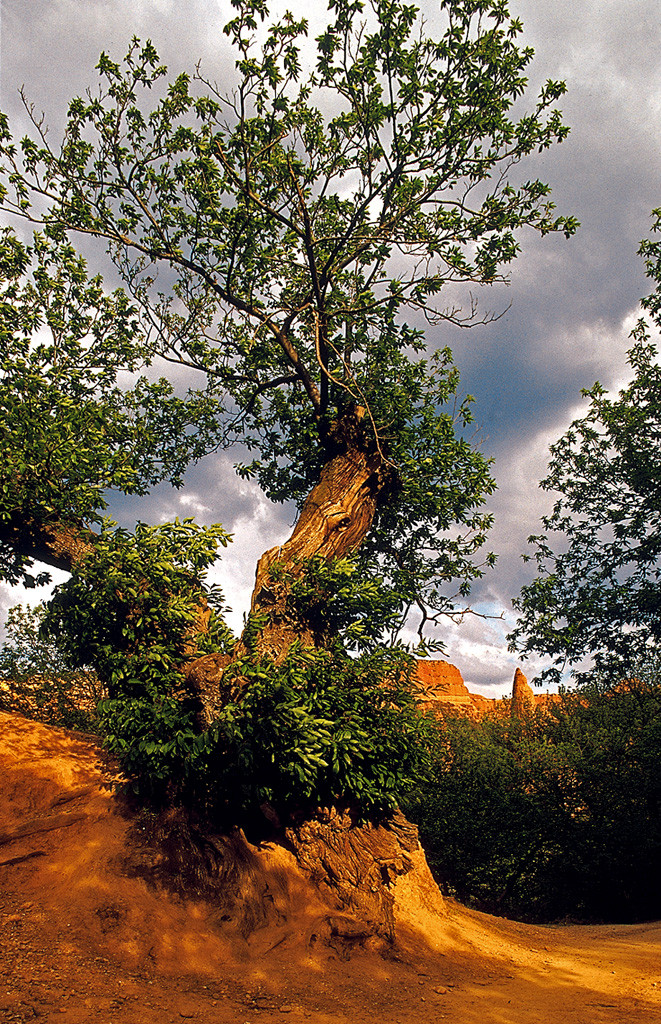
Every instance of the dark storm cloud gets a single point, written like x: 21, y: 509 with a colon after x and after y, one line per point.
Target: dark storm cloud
x: 572, y: 302
x: 51, y: 46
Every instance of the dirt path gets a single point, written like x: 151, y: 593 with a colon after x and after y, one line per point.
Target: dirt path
x: 83, y: 937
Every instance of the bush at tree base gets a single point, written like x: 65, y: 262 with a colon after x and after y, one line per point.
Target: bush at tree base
x: 317, y: 729
x: 552, y: 814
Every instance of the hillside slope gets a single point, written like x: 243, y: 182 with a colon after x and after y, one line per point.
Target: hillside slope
x: 90, y: 931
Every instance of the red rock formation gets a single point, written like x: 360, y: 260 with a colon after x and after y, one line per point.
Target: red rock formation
x: 523, y: 698
x: 442, y: 689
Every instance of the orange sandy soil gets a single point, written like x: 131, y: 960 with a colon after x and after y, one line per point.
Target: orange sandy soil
x: 83, y: 938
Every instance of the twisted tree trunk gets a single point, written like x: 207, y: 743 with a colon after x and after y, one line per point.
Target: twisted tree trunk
x: 334, y: 520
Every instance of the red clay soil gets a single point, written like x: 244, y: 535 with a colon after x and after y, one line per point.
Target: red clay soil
x: 84, y: 936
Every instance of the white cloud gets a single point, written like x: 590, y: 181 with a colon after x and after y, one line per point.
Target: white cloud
x: 253, y: 533
x: 193, y: 505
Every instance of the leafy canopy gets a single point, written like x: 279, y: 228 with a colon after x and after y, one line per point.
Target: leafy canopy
x: 596, y: 595
x: 70, y: 428
x: 276, y: 234
x: 132, y: 608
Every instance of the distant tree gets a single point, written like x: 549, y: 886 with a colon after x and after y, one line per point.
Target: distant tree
x: 37, y: 680
x: 597, y: 596
x: 25, y: 653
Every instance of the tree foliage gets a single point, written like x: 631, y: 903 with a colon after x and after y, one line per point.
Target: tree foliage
x: 131, y: 608
x: 71, y: 428
x: 319, y: 729
x: 296, y: 219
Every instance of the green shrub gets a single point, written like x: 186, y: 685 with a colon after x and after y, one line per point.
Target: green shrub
x: 490, y: 817
x: 555, y: 813
x: 317, y: 729
x: 321, y: 728
x: 131, y: 609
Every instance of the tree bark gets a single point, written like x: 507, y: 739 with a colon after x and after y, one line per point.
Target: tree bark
x: 57, y: 543
x: 357, y: 863
x: 334, y: 520
x: 353, y: 870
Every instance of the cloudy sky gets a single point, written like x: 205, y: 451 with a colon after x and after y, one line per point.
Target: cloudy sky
x: 571, y: 303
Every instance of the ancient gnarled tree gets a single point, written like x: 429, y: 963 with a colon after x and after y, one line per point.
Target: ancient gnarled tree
x: 292, y: 236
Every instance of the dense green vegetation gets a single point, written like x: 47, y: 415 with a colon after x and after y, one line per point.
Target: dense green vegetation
x: 553, y: 813
x: 317, y: 729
